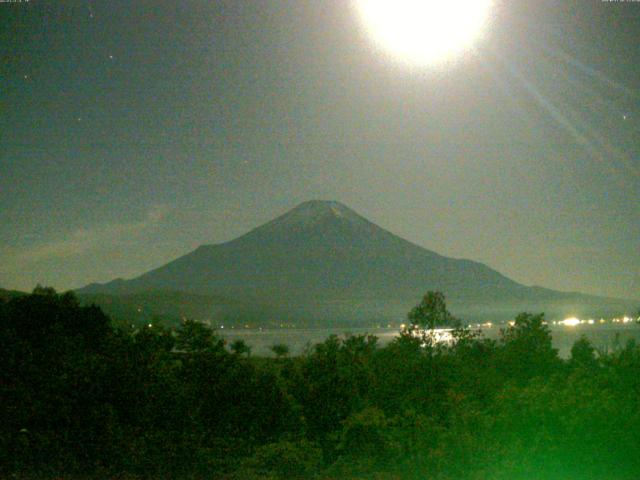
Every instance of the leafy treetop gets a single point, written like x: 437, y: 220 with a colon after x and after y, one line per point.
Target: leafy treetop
x: 431, y: 312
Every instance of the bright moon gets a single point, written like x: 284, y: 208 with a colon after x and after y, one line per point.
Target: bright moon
x: 425, y: 32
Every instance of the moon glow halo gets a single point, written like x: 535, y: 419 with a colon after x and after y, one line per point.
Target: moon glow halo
x: 424, y: 32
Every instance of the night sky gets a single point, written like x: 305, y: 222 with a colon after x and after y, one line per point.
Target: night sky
x: 133, y: 131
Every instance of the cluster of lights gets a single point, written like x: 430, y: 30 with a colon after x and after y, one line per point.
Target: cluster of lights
x: 574, y: 321
x: 481, y: 325
x: 248, y: 326
x: 570, y: 322
x: 624, y: 319
x: 437, y: 335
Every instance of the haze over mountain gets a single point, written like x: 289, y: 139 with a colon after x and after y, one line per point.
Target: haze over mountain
x: 322, y: 262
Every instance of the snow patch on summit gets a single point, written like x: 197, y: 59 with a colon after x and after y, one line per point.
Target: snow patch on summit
x: 311, y: 213
x: 315, y: 210
x: 336, y: 212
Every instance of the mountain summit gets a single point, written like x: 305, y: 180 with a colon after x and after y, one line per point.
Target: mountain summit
x: 314, y: 211
x: 321, y: 261
x: 325, y: 220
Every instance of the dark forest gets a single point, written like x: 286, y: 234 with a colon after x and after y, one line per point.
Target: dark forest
x: 82, y: 398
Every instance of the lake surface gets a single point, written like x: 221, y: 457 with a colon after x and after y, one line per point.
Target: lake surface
x: 607, y: 336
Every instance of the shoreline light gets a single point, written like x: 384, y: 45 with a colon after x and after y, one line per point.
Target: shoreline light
x: 570, y: 322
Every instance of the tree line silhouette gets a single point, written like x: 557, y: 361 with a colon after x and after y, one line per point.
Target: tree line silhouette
x: 82, y: 398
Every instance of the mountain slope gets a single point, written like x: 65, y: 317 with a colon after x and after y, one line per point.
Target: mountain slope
x: 169, y: 305
x: 322, y: 260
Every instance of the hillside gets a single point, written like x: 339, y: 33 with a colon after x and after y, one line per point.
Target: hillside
x: 169, y: 306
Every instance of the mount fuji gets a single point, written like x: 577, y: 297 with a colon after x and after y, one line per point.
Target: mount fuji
x: 323, y: 263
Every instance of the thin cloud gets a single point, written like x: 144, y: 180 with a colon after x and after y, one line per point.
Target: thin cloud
x: 85, y: 240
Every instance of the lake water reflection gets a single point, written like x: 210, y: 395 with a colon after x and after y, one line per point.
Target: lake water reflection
x: 607, y: 336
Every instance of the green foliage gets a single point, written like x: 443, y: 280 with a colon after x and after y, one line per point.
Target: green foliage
x: 337, y: 377
x: 365, y: 433
x: 196, y: 337
x: 527, y: 349
x: 240, y: 347
x: 583, y: 354
x: 280, y: 350
x: 286, y: 459
x: 81, y: 399
x: 431, y: 312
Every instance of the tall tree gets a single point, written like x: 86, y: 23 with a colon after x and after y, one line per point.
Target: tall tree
x: 431, y: 312
x: 527, y: 348
x: 194, y: 337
